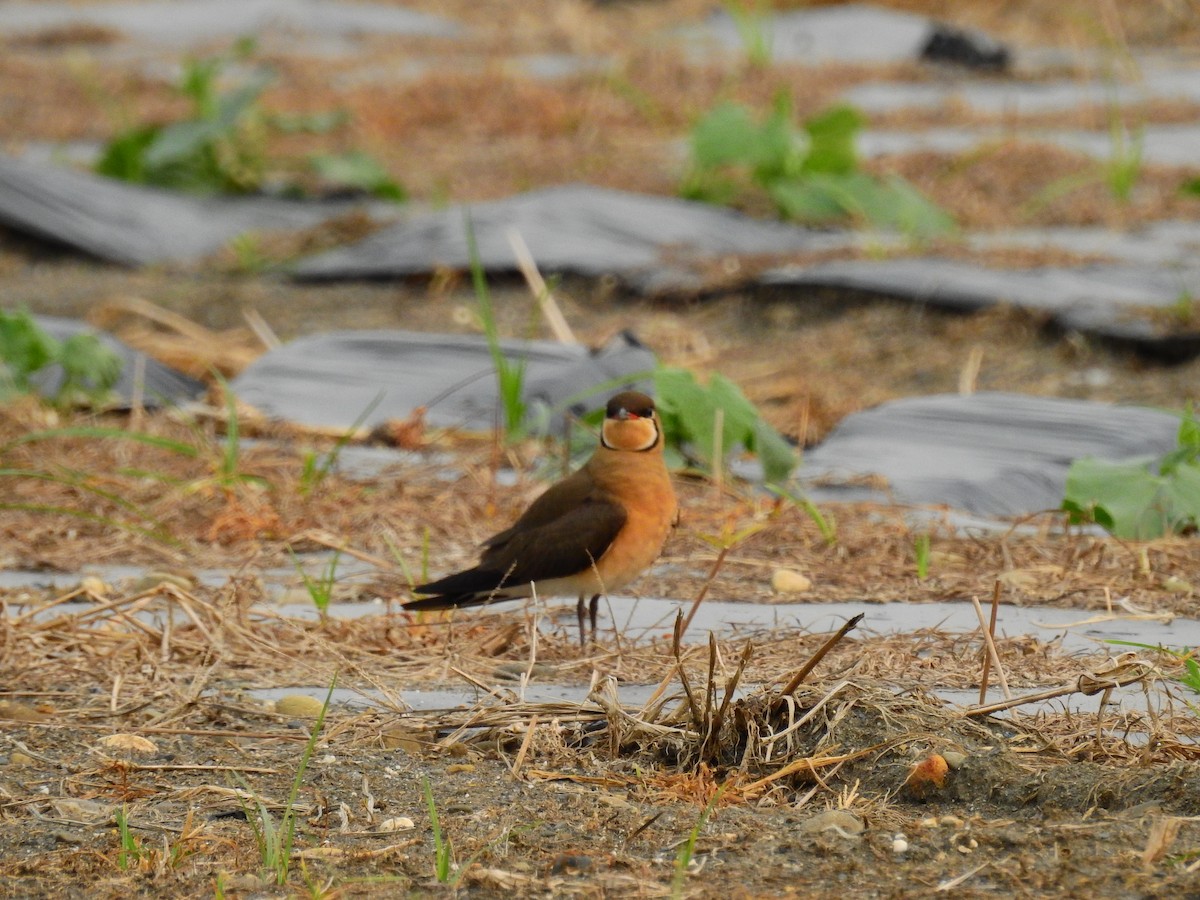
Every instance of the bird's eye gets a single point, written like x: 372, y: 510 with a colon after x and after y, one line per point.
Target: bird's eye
x: 646, y: 413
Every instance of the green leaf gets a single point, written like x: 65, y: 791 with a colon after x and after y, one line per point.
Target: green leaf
x: 689, y: 411
x: 1187, y: 439
x: 726, y: 136
x: 1182, y: 497
x: 831, y: 141
x: 240, y: 101
x: 125, y: 156
x: 24, y: 348
x: 89, y: 368
x: 777, y: 456
x: 1122, y: 497
x: 358, y: 170
x: 820, y: 198
x: 778, y: 145
x: 814, y: 199
x: 902, y: 206
x: 729, y: 136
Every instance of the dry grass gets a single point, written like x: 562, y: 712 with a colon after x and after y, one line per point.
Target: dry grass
x: 134, y: 696
x: 157, y: 662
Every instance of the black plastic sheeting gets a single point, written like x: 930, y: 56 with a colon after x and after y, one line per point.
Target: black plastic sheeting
x: 134, y: 225
x: 1127, y: 303
x: 991, y: 454
x: 161, y: 386
x: 332, y: 379
x: 652, y: 244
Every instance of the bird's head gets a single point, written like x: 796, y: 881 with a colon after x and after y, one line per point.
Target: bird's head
x: 631, y: 423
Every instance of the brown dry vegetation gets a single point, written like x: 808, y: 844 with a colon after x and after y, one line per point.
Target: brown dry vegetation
x: 110, y: 707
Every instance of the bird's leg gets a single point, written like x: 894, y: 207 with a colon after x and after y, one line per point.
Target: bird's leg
x: 593, y: 608
x: 579, y: 615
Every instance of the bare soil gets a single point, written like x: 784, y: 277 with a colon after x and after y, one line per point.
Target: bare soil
x: 106, y: 708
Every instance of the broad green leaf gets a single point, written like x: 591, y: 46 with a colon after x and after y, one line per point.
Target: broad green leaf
x: 231, y: 106
x: 88, y: 367
x: 689, y: 411
x: 900, y: 205
x: 729, y: 136
x: 831, y: 141
x: 24, y: 348
x: 1187, y: 439
x: 358, y: 170
x: 725, y: 136
x: 1124, y: 497
x: 182, y: 140
x: 812, y: 200
x: 777, y: 148
x: 125, y: 156
x: 1182, y: 496
x: 820, y: 198
x: 777, y: 456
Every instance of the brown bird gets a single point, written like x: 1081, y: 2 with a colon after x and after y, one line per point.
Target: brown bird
x: 594, y: 531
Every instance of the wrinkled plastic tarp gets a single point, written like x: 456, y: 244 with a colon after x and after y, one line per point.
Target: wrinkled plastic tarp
x: 332, y: 379
x: 1118, y: 302
x: 650, y: 243
x: 992, y: 454
x: 848, y: 32
x: 135, y: 225
x: 194, y: 21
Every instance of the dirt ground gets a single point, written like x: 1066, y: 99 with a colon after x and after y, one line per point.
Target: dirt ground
x: 135, y: 698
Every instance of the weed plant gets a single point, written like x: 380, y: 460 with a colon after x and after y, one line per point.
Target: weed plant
x: 1140, y: 498
x: 810, y: 175
x: 89, y: 370
x: 221, y: 146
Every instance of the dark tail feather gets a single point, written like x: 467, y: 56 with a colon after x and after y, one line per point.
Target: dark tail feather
x: 451, y: 601
x: 463, y: 584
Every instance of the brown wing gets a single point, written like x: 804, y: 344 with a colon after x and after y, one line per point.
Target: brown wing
x: 565, y: 545
x: 570, y: 493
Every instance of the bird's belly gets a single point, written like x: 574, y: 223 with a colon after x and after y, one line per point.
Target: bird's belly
x: 631, y: 554
x: 628, y: 556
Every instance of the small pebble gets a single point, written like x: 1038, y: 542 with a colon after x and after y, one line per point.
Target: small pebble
x: 398, y: 823
x: 955, y: 759
x: 93, y: 585
x: 153, y: 580
x: 899, y: 844
x: 129, y: 743
x: 299, y: 706
x: 789, y: 581
x: 838, y: 820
